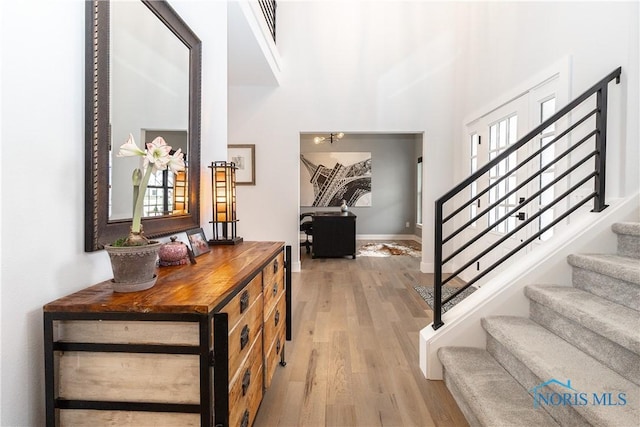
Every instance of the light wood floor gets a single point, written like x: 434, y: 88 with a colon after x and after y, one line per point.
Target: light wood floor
x: 353, y: 360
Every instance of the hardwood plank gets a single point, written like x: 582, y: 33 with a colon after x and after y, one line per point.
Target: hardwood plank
x: 353, y: 360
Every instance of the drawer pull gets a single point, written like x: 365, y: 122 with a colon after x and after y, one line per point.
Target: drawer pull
x: 278, y: 346
x: 276, y: 318
x: 244, y: 337
x: 246, y: 380
x: 275, y: 266
x: 275, y: 289
x: 245, y: 419
x: 244, y: 301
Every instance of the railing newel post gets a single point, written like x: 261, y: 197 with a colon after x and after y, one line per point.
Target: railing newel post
x: 601, y: 148
x: 437, y: 267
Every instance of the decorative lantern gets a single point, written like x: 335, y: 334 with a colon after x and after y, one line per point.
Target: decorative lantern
x: 223, y: 194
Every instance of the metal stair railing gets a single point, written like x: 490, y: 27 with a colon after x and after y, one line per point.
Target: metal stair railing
x: 599, y: 137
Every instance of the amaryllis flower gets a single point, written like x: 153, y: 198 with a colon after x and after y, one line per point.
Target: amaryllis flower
x: 130, y: 149
x: 157, y: 154
x: 176, y: 161
x: 156, y: 157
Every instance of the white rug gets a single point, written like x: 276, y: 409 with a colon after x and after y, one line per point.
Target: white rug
x: 388, y: 249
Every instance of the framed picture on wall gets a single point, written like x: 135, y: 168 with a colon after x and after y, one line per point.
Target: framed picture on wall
x: 244, y: 156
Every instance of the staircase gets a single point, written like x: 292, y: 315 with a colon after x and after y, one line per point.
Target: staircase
x: 574, y: 362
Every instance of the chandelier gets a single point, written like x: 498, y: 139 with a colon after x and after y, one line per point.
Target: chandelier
x: 332, y: 137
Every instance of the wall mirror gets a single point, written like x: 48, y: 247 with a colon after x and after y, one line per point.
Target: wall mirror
x: 142, y: 77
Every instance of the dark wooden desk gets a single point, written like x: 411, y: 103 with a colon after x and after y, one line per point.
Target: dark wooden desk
x: 334, y: 234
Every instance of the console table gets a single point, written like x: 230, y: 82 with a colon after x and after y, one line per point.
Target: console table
x: 334, y: 234
x: 198, y: 349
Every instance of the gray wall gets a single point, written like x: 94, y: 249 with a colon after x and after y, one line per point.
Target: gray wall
x: 393, y: 179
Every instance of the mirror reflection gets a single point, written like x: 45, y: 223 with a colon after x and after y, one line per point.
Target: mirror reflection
x: 149, y: 93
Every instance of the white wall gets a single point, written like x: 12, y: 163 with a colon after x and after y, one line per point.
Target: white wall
x: 420, y: 66
x: 42, y: 174
x: 364, y: 67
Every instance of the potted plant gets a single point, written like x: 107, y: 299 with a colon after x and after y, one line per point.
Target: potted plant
x: 133, y: 258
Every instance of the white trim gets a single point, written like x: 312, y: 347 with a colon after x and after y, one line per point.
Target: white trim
x: 389, y: 237
x: 560, y: 69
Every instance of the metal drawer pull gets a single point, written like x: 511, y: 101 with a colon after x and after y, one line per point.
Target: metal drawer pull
x: 246, y: 380
x: 275, y: 266
x: 277, y: 317
x: 244, y: 337
x: 275, y: 289
x: 245, y: 419
x: 244, y: 301
x: 278, y: 346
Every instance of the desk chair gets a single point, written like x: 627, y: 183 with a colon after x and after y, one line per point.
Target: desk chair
x: 306, y: 225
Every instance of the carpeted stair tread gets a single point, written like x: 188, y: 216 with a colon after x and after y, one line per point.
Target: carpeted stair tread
x: 548, y: 356
x: 618, y: 267
x: 494, y: 396
x: 615, y: 322
x: 628, y: 228
x: 628, y: 238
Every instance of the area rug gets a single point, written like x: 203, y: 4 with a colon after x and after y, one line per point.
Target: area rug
x: 387, y: 250
x: 426, y: 292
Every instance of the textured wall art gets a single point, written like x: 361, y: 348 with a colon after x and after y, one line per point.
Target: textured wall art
x: 328, y: 178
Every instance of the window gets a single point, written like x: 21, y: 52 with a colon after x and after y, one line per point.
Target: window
x: 473, y: 208
x: 547, y: 108
x: 159, y: 198
x: 502, y: 134
x: 419, y: 192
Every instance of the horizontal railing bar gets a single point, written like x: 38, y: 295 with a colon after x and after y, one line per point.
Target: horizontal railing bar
x: 521, y: 185
x: 555, y: 117
x: 520, y: 206
x: 520, y: 227
x: 553, y: 141
x: 518, y: 248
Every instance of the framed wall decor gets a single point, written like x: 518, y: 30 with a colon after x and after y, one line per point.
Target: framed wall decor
x: 198, y: 241
x: 244, y: 156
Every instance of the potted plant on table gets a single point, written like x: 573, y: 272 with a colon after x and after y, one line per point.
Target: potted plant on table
x: 133, y: 259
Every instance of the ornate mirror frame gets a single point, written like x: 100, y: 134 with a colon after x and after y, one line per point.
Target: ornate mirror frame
x: 99, y: 230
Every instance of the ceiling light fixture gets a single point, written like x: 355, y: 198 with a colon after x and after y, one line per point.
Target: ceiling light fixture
x: 332, y: 137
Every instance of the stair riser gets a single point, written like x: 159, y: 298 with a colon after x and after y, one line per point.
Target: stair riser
x: 616, y: 290
x: 629, y: 246
x: 618, y: 358
x: 564, y: 415
x: 460, y: 400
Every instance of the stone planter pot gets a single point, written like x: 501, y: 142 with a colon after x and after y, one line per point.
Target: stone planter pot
x: 134, y: 267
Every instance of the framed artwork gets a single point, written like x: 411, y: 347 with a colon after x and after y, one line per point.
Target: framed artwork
x: 244, y: 156
x: 328, y: 178
x: 198, y: 241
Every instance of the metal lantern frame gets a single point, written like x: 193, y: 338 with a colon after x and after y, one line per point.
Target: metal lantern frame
x: 223, y: 200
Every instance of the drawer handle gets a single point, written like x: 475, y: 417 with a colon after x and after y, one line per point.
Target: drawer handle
x: 277, y: 317
x: 245, y: 419
x: 244, y: 337
x: 278, y: 346
x: 275, y: 289
x: 246, y: 380
x: 275, y: 266
x: 244, y: 301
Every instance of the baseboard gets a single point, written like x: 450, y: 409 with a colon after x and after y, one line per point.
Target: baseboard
x: 389, y: 237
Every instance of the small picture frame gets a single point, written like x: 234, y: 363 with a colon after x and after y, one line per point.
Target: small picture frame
x: 198, y: 241
x: 244, y: 156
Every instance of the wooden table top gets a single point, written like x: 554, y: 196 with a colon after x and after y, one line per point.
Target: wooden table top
x: 191, y: 288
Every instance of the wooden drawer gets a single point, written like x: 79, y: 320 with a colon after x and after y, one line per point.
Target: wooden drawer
x: 273, y: 288
x: 275, y: 268
x: 146, y: 377
x: 274, y: 321
x: 243, y: 334
x: 272, y: 357
x: 243, y: 300
x: 94, y: 418
x: 245, y: 388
